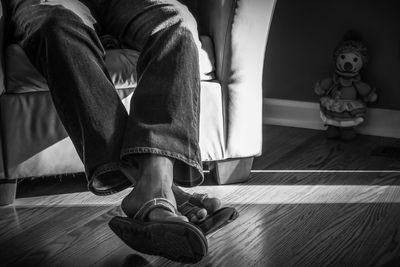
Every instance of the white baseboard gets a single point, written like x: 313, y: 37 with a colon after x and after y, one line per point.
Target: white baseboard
x: 379, y: 122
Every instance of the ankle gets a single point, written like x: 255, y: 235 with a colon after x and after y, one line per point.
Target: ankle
x: 154, y: 169
x: 154, y: 184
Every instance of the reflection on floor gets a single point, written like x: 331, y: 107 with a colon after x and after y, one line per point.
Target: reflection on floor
x: 310, y: 202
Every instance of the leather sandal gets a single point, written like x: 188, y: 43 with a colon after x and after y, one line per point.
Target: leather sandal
x: 175, y: 240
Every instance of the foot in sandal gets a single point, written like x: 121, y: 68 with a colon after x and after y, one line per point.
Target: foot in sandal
x: 204, y: 211
x: 153, y: 225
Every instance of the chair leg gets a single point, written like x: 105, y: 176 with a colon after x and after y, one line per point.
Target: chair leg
x: 231, y: 171
x: 8, y: 189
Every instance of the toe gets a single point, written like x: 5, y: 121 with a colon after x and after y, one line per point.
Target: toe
x: 201, y: 214
x: 193, y: 219
x: 212, y: 204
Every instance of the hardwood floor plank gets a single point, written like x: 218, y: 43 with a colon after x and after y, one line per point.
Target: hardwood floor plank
x: 334, y: 178
x: 274, y: 146
x: 324, y: 154
x: 20, y: 219
x: 60, y: 222
x: 89, y: 232
x: 85, y: 246
x: 80, y: 198
x: 31, y: 212
x: 122, y: 255
x: 348, y: 243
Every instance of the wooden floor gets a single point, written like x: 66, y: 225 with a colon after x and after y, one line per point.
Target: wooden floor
x: 310, y: 202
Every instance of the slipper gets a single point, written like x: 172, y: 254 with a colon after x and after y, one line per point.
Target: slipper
x: 175, y: 240
x: 213, y: 221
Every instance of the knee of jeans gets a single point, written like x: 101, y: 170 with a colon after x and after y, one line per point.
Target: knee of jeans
x: 57, y: 20
x: 180, y: 16
x: 75, y: 9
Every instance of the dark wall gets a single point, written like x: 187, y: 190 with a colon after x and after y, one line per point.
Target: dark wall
x: 304, y: 34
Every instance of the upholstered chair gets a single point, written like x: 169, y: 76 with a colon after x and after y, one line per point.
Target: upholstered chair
x: 34, y: 143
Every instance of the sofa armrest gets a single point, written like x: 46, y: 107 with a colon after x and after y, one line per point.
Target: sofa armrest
x: 2, y: 40
x: 239, y: 30
x: 2, y: 89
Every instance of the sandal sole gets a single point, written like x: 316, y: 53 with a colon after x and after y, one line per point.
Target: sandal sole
x: 218, y: 219
x: 177, y: 241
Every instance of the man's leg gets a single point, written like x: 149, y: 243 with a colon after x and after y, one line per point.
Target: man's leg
x: 162, y: 128
x: 62, y: 44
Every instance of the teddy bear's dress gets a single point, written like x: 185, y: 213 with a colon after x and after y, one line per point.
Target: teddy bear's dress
x: 338, y: 110
x: 341, y: 112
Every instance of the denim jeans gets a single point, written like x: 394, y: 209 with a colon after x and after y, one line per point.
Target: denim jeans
x: 61, y: 39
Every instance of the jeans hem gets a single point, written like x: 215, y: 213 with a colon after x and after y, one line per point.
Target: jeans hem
x: 166, y: 153
x: 104, y: 168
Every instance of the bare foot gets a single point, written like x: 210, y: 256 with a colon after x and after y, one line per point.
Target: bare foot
x: 154, y: 181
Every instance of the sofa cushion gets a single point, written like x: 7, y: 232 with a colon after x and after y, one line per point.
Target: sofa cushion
x: 22, y: 76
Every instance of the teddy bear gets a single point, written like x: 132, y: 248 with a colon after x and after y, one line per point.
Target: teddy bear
x: 343, y: 97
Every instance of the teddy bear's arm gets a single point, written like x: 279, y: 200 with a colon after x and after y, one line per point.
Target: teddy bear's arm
x: 368, y: 94
x: 323, y: 86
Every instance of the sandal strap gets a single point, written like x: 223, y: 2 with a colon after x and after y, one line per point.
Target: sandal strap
x: 197, y: 199
x: 200, y: 196
x: 188, y: 209
x: 192, y: 205
x: 152, y: 204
